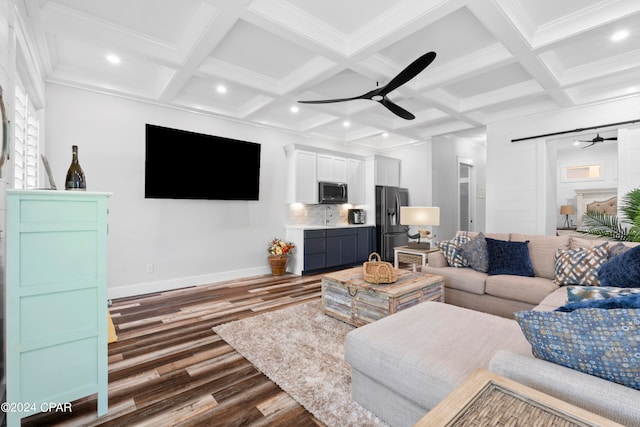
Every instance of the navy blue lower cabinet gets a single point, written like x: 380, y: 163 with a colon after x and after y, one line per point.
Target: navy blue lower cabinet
x: 315, y: 249
x: 335, y: 248
x: 342, y: 244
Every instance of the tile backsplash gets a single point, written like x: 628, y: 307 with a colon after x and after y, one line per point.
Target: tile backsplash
x: 316, y: 214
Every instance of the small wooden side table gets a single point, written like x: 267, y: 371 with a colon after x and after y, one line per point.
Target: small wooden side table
x: 486, y: 399
x: 411, y: 256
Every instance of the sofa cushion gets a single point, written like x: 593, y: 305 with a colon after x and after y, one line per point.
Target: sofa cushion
x: 464, y: 279
x: 497, y: 236
x: 424, y: 352
x: 554, y: 300
x: 451, y: 251
x: 580, y: 242
x: 622, y: 271
x: 579, y: 266
x: 542, y: 250
x: 531, y: 290
x: 475, y: 251
x: 621, y: 301
x: 509, y: 258
x: 579, y: 293
x: 604, y: 343
x: 612, y: 401
x: 617, y: 249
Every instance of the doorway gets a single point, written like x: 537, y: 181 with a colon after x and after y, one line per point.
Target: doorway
x: 465, y: 199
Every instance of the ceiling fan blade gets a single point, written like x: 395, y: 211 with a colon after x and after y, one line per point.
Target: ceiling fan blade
x: 396, y: 109
x: 408, y: 73
x: 615, y: 138
x: 587, y: 146
x: 328, y: 101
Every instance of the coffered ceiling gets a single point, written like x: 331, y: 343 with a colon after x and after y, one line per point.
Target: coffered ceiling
x: 496, y: 59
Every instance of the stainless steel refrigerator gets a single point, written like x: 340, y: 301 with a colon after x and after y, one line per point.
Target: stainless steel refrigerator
x: 388, y: 229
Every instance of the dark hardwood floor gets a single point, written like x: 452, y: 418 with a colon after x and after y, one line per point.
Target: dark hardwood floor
x: 169, y: 367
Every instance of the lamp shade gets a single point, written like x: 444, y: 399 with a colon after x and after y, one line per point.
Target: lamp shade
x: 416, y: 215
x: 566, y: 210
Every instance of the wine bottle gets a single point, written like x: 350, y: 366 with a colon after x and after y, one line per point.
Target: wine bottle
x: 75, y: 175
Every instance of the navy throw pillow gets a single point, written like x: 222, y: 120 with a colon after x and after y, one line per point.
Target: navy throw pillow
x: 627, y: 301
x: 509, y: 258
x: 622, y: 271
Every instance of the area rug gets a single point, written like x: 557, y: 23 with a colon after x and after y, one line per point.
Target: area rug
x: 302, y: 350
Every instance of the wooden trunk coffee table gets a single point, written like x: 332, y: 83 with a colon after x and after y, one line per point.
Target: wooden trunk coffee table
x: 347, y: 297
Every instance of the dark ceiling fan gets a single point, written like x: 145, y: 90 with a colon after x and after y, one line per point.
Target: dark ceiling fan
x: 597, y: 140
x: 380, y: 94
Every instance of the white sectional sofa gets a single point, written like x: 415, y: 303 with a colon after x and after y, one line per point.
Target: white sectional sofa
x: 404, y: 364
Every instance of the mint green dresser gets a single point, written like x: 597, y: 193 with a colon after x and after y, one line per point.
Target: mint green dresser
x: 56, y: 300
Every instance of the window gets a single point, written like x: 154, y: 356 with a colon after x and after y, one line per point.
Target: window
x: 583, y: 172
x: 26, y: 142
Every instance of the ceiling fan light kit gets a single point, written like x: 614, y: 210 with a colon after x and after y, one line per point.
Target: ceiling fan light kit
x: 380, y: 94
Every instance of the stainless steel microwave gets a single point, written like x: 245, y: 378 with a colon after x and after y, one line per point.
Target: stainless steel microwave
x: 331, y: 192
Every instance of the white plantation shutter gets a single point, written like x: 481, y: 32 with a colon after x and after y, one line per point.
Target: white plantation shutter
x: 26, y: 143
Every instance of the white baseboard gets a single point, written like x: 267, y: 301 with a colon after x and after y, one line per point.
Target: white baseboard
x: 182, y: 282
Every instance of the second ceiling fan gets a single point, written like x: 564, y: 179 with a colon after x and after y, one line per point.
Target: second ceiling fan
x: 380, y: 94
x: 597, y: 140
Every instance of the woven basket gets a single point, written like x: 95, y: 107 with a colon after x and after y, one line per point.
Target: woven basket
x: 378, y: 271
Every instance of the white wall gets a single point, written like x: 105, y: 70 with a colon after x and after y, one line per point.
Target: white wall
x: 415, y: 172
x: 446, y: 151
x: 628, y: 159
x: 189, y: 242
x: 519, y: 174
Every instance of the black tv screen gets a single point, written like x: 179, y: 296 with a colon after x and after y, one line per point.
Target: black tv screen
x: 188, y: 165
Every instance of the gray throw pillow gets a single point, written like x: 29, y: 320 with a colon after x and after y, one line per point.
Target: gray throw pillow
x: 475, y: 251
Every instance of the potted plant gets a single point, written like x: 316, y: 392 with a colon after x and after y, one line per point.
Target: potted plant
x: 610, y: 226
x: 279, y: 251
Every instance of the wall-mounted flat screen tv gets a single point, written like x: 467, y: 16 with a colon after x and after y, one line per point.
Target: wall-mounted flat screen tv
x: 188, y: 165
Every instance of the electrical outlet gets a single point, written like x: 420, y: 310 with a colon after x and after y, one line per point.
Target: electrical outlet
x: 149, y: 268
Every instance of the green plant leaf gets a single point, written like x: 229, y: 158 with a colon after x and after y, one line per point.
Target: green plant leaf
x: 604, y: 225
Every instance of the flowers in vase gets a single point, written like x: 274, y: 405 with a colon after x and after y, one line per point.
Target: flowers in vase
x: 280, y: 247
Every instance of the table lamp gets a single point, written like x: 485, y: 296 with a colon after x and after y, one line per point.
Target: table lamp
x: 419, y: 215
x: 566, y: 210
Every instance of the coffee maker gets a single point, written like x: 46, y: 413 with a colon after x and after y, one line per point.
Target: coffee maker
x: 356, y: 216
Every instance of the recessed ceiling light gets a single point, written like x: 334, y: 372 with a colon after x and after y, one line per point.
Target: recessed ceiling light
x: 112, y: 58
x: 576, y: 142
x: 346, y: 123
x: 294, y: 109
x: 620, y: 35
x: 385, y: 134
x: 221, y: 89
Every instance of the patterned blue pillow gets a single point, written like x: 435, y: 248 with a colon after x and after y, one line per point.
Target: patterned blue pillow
x: 475, y: 251
x: 622, y: 271
x: 627, y: 301
x: 509, y: 258
x: 579, y: 293
x: 604, y: 343
x: 451, y: 250
x: 579, y: 266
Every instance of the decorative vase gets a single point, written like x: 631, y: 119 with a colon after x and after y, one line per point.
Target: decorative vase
x: 278, y: 264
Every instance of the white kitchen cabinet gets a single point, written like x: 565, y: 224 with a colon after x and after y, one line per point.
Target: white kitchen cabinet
x: 387, y: 171
x: 332, y: 168
x: 355, y: 181
x: 303, y: 184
